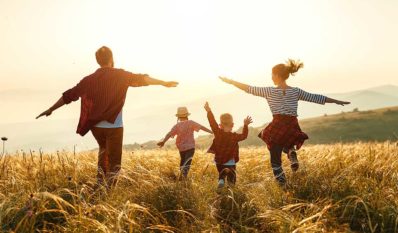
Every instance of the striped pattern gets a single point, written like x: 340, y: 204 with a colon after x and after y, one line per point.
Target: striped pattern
x: 285, y: 102
x: 102, y: 95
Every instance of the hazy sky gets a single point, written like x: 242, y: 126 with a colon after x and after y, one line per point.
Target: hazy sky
x: 345, y: 45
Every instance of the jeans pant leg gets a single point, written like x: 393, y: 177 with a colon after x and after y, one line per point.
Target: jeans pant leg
x: 186, y: 161
x: 103, y: 156
x: 231, y: 174
x: 276, y: 164
x: 114, y: 144
x: 227, y: 171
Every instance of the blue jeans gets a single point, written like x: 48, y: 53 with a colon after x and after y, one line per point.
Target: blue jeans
x: 276, y: 163
x: 186, y: 160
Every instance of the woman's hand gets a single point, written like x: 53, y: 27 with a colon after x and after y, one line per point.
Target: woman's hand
x: 339, y: 102
x: 226, y: 80
x: 248, y: 120
x: 342, y: 103
x: 242, y: 86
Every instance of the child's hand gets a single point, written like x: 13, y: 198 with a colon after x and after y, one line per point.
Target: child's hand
x: 207, y: 107
x: 160, y: 144
x: 226, y: 80
x: 248, y: 120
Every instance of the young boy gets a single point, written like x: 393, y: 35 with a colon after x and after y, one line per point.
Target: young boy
x: 225, y: 145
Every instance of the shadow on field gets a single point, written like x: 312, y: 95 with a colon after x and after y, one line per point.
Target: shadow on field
x: 234, y: 212
x: 175, y: 204
x: 42, y: 212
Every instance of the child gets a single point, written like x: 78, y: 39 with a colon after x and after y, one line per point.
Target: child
x: 283, y: 134
x: 225, y: 145
x: 185, y: 138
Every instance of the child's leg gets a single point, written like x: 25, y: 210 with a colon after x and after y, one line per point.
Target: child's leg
x: 231, y: 175
x: 186, y: 160
x: 276, y: 164
x: 221, y: 175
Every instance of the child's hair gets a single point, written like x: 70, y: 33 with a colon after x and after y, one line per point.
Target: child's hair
x: 290, y: 68
x: 226, y: 119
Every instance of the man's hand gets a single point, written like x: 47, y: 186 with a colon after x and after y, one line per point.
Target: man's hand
x: 45, y: 113
x: 226, y: 80
x: 170, y: 84
x: 207, y: 107
x: 160, y: 144
x: 248, y: 120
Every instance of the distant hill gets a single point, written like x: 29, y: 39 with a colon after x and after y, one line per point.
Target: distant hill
x: 149, y: 118
x: 371, y: 125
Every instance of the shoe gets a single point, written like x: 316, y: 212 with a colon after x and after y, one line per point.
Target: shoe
x: 221, y: 184
x: 294, y: 163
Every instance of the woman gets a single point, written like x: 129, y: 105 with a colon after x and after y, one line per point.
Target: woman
x: 283, y: 134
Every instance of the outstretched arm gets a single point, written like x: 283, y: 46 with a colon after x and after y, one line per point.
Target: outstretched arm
x: 167, y: 137
x: 319, y: 99
x: 334, y: 101
x: 257, y: 91
x: 153, y: 81
x: 242, y: 86
x: 206, y: 129
x: 57, y: 105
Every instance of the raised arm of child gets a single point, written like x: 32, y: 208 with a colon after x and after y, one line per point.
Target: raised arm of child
x: 242, y: 136
x: 212, y: 121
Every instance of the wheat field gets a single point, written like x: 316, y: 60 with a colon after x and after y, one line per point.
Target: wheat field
x: 338, y: 188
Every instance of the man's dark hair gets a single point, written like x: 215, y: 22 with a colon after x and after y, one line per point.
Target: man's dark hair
x: 104, y: 56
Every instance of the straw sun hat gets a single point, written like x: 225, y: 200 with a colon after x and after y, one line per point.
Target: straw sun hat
x: 182, y: 112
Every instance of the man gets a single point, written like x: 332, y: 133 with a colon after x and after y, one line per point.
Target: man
x: 102, y: 98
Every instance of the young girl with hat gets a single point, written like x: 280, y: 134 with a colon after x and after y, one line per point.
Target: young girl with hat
x: 185, y: 142
x: 283, y: 134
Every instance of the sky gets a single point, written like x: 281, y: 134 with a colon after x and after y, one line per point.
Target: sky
x: 47, y: 46
x: 345, y: 45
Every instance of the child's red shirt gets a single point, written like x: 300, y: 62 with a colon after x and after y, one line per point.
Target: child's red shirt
x: 225, y: 144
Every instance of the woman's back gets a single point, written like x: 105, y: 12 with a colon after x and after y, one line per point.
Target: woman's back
x: 285, y: 101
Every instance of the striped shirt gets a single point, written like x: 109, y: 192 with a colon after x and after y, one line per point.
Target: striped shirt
x: 285, y: 102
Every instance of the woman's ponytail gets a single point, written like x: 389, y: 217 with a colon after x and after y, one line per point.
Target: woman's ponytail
x: 293, y: 66
x: 287, y: 69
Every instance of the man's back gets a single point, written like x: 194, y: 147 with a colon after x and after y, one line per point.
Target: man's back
x: 102, y: 94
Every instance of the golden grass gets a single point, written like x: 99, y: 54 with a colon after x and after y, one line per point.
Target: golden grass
x: 339, y: 188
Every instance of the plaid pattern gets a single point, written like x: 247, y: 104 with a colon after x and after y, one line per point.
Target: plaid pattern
x: 225, y: 144
x: 284, y: 131
x: 102, y: 95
